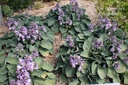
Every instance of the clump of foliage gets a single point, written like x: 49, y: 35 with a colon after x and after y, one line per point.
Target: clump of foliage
x: 97, y: 55
x: 116, y: 10
x: 68, y: 19
x: 7, y: 11
x: 21, y: 51
x: 17, y: 4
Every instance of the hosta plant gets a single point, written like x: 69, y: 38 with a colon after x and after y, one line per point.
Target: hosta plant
x: 21, y: 51
x: 68, y: 19
x: 98, y: 55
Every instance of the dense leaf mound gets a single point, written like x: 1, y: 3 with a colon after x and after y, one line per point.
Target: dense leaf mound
x: 91, y: 53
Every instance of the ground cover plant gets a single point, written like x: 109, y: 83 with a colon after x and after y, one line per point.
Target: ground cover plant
x: 91, y: 53
x: 21, y: 52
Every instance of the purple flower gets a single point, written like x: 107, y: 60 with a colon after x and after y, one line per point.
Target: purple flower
x: 12, y: 82
x: 125, y: 60
x: 114, y: 26
x: 56, y: 7
x: 114, y: 56
x: 76, y: 60
x: 68, y: 21
x: 19, y: 47
x: 23, y: 30
x: 116, y: 65
x: 43, y: 28
x: 113, y: 39
x: 35, y: 53
x: 34, y: 26
x: 91, y: 27
x: 98, y: 43
x: 70, y: 41
x: 72, y: 2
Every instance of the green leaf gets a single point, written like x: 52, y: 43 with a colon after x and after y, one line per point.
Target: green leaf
x: 62, y: 78
x: 32, y: 48
x: 116, y: 79
x: 5, y: 9
x: 76, y: 23
x: 38, y: 82
x: 75, y: 82
x: 122, y: 68
x: 39, y: 73
x: 111, y: 73
x: 51, y: 76
x: 102, y: 72
x: 87, y: 45
x: 78, y: 29
x: 70, y: 71
x: 79, y: 74
x: 38, y: 61
x: 85, y: 54
x: 3, y: 78
x: 49, y: 82
x: 44, y: 52
x: 94, y: 67
x: 51, y: 22
x: 126, y: 77
x: 47, y: 66
x: 11, y: 68
x: 63, y: 30
x: 81, y: 36
x: 46, y: 44
x: 12, y: 60
x: 87, y: 33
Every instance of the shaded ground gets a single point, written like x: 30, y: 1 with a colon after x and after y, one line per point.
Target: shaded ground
x: 44, y: 9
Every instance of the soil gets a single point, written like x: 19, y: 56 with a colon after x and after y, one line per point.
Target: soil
x: 42, y: 9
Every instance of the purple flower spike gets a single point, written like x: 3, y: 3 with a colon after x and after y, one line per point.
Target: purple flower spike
x: 114, y: 56
x: 76, y: 60
x: 70, y: 41
x: 68, y: 21
x: 19, y: 47
x: 98, y: 44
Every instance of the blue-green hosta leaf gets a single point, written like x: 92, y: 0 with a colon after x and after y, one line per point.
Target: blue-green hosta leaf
x: 87, y: 33
x: 32, y: 48
x: 123, y: 47
x: 85, y: 54
x: 94, y: 67
x: 3, y: 78
x: 111, y: 72
x: 38, y: 82
x: 75, y: 82
x: 51, y: 75
x: 63, y: 30
x: 49, y: 82
x: 102, y: 72
x: 51, y: 22
x: 79, y: 74
x: 122, y: 67
x: 78, y: 29
x: 116, y: 79
x: 39, y: 74
x: 81, y: 36
x: 44, y: 52
x: 46, y: 44
x: 62, y: 78
x: 126, y: 77
x: 38, y: 61
x: 70, y: 71
x: 47, y: 66
x: 87, y: 45
x: 11, y: 68
x: 12, y: 60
